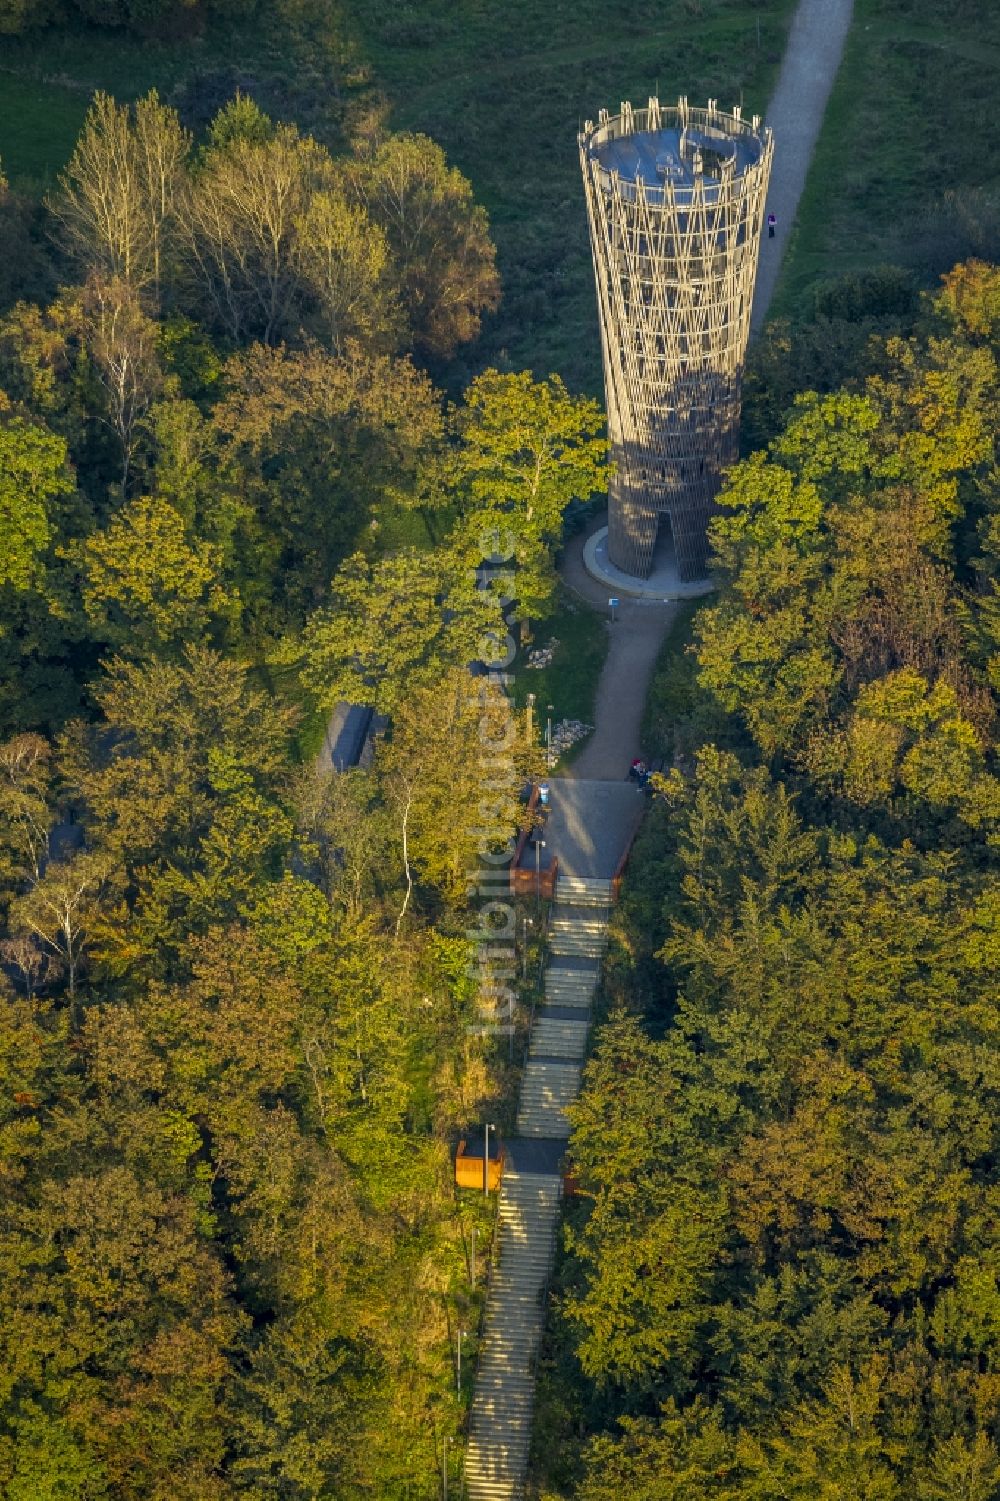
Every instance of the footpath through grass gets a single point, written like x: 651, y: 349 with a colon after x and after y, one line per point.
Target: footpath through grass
x: 907, y: 167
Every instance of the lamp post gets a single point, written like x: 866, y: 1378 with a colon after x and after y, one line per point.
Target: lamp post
x: 486, y: 1158
x: 473, y: 1263
x: 444, y: 1467
x: 528, y: 923
x: 548, y: 738
x: 531, y: 706
x: 458, y: 1362
x: 539, y: 846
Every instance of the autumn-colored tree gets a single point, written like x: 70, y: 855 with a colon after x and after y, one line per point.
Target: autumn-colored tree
x: 438, y: 235
x: 452, y: 773
x: 348, y: 275
x: 253, y: 184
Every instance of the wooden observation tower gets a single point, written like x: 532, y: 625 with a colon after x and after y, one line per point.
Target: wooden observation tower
x: 675, y: 201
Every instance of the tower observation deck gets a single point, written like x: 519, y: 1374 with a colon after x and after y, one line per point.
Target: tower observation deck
x: 675, y: 202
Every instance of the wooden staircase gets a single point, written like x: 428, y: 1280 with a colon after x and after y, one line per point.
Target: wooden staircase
x: 496, y: 1460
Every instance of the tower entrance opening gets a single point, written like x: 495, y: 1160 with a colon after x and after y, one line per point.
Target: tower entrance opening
x: 664, y: 551
x: 664, y: 571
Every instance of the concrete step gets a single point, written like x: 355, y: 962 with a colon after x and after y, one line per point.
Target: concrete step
x: 570, y: 980
x: 583, y: 919
x: 574, y: 912
x: 582, y: 1006
x: 587, y: 971
x: 580, y: 1000
x: 584, y: 891
x: 558, y: 1039
x: 500, y: 1417
x: 546, y: 1090
x: 577, y: 945
x: 576, y: 992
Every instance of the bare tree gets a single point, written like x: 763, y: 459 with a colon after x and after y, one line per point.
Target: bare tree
x: 118, y: 195
x: 59, y: 908
x: 162, y: 149
x: 238, y: 228
x: 122, y: 342
x: 37, y: 966
x: 25, y: 813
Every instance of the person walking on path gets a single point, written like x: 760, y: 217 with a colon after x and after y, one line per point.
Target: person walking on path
x: 815, y: 44
x: 772, y: 224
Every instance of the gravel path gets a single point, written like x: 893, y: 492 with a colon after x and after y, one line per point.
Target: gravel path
x: 634, y: 641
x: 795, y: 114
x: 591, y: 823
x: 812, y: 57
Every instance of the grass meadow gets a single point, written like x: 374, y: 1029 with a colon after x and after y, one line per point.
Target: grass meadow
x: 505, y: 88
x: 907, y: 169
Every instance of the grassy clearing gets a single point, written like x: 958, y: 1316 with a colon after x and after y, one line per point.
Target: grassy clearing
x: 569, y: 683
x: 39, y: 121
x: 505, y: 88
x: 292, y: 59
x: 909, y: 120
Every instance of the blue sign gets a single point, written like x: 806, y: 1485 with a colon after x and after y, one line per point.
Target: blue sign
x: 613, y: 603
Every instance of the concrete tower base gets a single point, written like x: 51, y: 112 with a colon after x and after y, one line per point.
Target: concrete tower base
x: 664, y: 582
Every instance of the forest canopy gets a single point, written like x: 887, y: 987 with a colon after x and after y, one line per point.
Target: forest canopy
x: 781, y: 1277
x: 240, y: 1022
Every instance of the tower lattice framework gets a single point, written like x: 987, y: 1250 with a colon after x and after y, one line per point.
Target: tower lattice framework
x: 675, y: 202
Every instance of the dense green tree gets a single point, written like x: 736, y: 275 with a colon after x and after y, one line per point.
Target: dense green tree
x: 397, y: 625
x: 319, y: 445
x: 145, y: 587
x: 526, y: 449
x: 34, y: 473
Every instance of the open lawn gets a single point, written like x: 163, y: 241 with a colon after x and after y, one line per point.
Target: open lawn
x: 910, y: 119
x: 505, y: 88
x: 292, y: 61
x: 569, y: 683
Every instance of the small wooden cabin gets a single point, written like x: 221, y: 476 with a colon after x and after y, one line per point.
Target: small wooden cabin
x: 469, y: 1166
